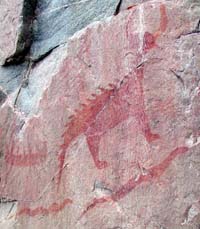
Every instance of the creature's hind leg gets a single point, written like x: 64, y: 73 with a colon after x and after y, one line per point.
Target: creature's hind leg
x: 139, y: 109
x: 93, y: 144
x: 144, y: 125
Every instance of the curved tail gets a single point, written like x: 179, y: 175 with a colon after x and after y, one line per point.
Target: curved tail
x: 61, y: 161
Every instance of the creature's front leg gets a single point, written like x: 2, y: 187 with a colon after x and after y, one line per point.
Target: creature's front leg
x: 93, y: 144
x: 145, y: 127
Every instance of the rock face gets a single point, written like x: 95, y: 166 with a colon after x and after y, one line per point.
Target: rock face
x: 104, y: 132
x: 11, y: 76
x: 57, y: 20
x: 16, y: 28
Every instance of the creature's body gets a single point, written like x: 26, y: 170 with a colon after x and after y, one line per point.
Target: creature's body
x: 106, y: 111
x: 112, y: 107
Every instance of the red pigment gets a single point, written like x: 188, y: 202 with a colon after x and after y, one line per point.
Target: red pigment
x: 109, y: 109
x: 149, y: 40
x: 25, y: 159
x: 164, y: 20
x: 103, y: 113
x: 52, y: 209
x: 153, y: 173
x: 131, y: 7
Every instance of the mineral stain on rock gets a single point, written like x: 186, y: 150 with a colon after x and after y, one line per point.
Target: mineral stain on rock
x: 105, y: 133
x: 153, y: 173
x: 52, y: 209
x: 149, y: 38
x: 24, y: 156
x: 106, y: 111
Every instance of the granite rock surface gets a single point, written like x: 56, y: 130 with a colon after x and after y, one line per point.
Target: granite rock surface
x: 16, y: 19
x: 104, y: 130
x: 57, y: 20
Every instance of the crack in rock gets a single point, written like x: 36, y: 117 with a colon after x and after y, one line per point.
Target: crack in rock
x: 118, y: 7
x: 25, y: 33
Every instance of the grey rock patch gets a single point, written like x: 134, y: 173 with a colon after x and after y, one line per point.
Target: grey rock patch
x: 10, y: 77
x: 8, y: 210
x: 58, y: 20
x: 3, y: 96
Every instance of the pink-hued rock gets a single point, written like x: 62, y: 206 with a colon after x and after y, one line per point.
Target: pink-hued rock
x: 10, y: 12
x: 109, y: 133
x: 15, y: 28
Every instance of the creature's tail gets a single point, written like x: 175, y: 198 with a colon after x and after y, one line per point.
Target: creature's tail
x: 61, y: 162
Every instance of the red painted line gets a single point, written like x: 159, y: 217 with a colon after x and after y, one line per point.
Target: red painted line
x: 164, y: 19
x: 52, y: 209
x: 153, y: 173
x: 131, y: 7
x: 25, y: 159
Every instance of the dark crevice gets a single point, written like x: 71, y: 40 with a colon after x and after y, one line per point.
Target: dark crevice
x: 25, y: 38
x: 198, y: 26
x: 11, y: 208
x: 25, y: 80
x: 3, y: 97
x: 4, y: 200
x: 118, y: 7
x: 40, y: 58
x: 15, y: 77
x: 22, y: 124
x: 31, y: 64
x: 189, y: 33
x: 178, y: 76
x: 140, y: 64
x: 194, y: 31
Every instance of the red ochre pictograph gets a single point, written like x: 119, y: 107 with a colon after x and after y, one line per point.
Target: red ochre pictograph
x: 131, y: 7
x: 106, y: 110
x: 28, y: 158
x: 149, y: 41
x: 52, y: 209
x: 111, y: 107
x: 153, y: 173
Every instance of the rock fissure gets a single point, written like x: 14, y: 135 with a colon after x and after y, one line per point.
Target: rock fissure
x: 118, y: 7
x: 178, y: 76
x: 194, y: 31
x: 25, y: 81
x: 25, y: 36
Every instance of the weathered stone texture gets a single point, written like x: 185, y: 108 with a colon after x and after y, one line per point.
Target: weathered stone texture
x: 11, y: 76
x: 57, y: 20
x: 8, y: 209
x: 10, y: 12
x: 15, y: 28
x: 106, y: 133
